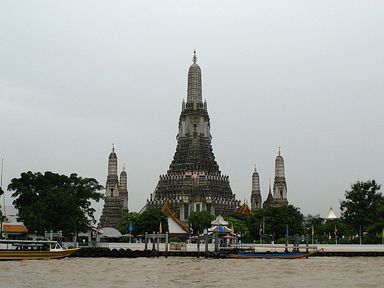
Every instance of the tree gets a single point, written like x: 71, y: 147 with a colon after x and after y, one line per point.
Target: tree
x: 55, y: 202
x: 130, y: 218
x: 239, y: 225
x: 313, y: 222
x: 150, y: 220
x: 275, y: 220
x: 200, y: 220
x: 363, y: 207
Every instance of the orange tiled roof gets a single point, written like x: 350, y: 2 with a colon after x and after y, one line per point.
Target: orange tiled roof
x: 14, y: 228
x: 244, y: 209
x: 165, y: 208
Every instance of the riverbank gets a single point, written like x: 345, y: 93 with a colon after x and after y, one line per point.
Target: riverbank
x: 133, y: 250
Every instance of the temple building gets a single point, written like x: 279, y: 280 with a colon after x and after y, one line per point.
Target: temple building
x: 193, y: 181
x: 256, y: 201
x: 279, y: 196
x: 116, y: 194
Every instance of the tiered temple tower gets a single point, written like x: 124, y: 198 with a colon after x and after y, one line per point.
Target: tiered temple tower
x: 116, y: 194
x: 255, y: 194
x: 194, y: 181
x: 279, y: 185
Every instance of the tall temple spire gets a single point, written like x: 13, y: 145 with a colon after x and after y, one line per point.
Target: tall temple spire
x: 255, y: 181
x: 114, y: 194
x: 279, y: 165
x: 112, y: 166
x: 194, y: 181
x: 194, y: 91
x: 123, y: 190
x: 280, y: 185
x: 255, y: 193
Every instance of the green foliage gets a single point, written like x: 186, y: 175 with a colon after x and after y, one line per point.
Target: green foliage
x: 276, y: 219
x: 200, y: 221
x: 131, y: 217
x: 149, y: 221
x: 174, y: 240
x: 313, y: 221
x: 240, y: 223
x: 55, y: 202
x: 364, y: 206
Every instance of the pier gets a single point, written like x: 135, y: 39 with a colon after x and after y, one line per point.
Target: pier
x: 133, y: 250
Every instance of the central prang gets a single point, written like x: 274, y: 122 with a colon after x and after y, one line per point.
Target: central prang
x: 194, y: 181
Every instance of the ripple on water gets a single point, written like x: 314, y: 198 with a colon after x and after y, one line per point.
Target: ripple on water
x: 192, y: 272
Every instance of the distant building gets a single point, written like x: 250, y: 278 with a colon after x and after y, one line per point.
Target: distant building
x: 116, y: 194
x: 279, y: 197
x: 331, y: 214
x: 256, y: 201
x: 244, y: 209
x: 14, y: 231
x: 176, y: 227
x: 194, y: 181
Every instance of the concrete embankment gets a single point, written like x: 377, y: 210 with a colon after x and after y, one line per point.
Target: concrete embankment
x: 323, y: 251
x: 351, y: 250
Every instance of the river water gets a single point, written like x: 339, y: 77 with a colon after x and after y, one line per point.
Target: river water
x: 193, y: 272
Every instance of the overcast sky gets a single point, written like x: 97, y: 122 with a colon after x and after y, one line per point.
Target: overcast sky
x: 77, y: 76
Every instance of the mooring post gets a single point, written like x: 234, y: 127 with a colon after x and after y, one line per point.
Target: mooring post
x: 206, y: 244
x: 286, y: 238
x: 153, y: 240
x: 216, y: 242
x: 146, y: 241
x: 198, y: 247
x: 158, y: 243
x: 166, y: 244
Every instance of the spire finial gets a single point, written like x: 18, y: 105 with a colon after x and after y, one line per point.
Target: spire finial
x: 279, y: 151
x: 194, y: 56
x: 255, y: 168
x: 270, y: 185
x: 113, y: 148
x: 124, y: 167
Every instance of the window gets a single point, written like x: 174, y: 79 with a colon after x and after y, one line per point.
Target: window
x: 186, y: 211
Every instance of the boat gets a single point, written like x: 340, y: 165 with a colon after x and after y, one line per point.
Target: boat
x: 246, y: 251
x: 271, y: 255
x: 33, y: 250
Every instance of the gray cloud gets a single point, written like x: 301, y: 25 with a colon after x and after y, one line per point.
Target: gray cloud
x: 77, y: 76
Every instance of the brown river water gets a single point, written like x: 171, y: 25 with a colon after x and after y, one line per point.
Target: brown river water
x: 193, y: 272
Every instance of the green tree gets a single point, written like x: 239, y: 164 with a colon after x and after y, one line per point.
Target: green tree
x: 275, y: 220
x: 55, y: 202
x: 129, y: 218
x: 239, y: 225
x: 363, y: 207
x: 200, y: 220
x: 313, y: 222
x: 150, y: 220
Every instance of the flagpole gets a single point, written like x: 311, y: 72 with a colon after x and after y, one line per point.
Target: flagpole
x: 313, y: 233
x: 1, y: 186
x: 335, y: 234
x: 263, y: 232
x: 360, y: 233
x: 1, y: 189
